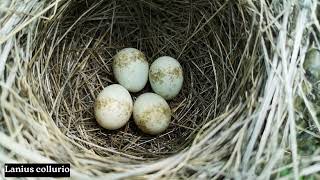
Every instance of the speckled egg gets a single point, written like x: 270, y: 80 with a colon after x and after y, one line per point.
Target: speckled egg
x: 113, y: 107
x: 130, y: 69
x: 151, y: 113
x: 312, y: 64
x: 166, y: 77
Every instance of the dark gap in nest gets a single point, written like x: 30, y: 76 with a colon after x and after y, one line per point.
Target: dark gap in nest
x: 208, y: 47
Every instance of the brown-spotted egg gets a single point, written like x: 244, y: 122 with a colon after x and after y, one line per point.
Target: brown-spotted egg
x: 166, y: 77
x: 151, y: 113
x: 130, y: 69
x: 113, y: 107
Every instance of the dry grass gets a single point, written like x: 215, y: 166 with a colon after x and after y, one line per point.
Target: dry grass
x: 243, y: 111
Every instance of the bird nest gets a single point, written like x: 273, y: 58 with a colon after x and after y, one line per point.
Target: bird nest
x: 76, y: 64
x: 59, y: 57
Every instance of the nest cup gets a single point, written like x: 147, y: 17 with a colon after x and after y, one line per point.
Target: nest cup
x: 74, y: 57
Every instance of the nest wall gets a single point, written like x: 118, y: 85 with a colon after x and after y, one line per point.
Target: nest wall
x: 241, y: 113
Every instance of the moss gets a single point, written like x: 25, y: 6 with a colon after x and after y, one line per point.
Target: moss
x: 312, y: 65
x: 286, y: 172
x: 307, y: 144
